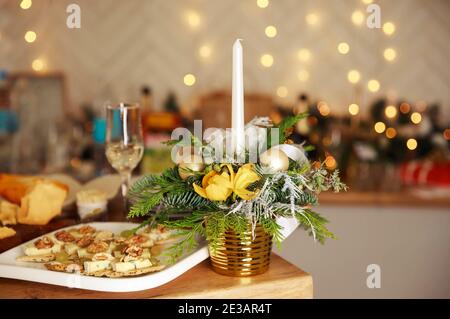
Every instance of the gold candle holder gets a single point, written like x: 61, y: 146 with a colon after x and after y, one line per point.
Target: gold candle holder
x: 242, y: 255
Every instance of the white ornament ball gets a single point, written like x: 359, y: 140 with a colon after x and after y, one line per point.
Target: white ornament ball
x: 190, y: 163
x: 275, y: 160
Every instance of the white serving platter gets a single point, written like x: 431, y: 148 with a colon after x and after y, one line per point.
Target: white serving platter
x: 10, y: 268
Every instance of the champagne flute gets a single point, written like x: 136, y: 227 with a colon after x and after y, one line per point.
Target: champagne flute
x: 124, y: 142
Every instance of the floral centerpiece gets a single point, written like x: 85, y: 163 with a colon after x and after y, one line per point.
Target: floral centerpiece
x: 238, y: 200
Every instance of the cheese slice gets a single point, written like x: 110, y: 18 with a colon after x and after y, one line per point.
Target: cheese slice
x: 31, y: 250
x: 70, y: 248
x: 42, y: 202
x: 93, y: 266
x: 82, y: 253
x: 123, y: 266
x: 141, y: 263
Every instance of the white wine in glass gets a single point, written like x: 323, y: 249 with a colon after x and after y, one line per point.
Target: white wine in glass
x: 124, y: 142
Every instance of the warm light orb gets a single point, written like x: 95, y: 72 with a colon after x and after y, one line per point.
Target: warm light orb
x: 379, y: 127
x: 391, y: 133
x: 303, y: 75
x: 282, y: 91
x: 323, y: 108
x: 367, y: 1
x: 26, y: 4
x: 411, y: 144
x: 330, y: 162
x: 304, y: 55
x: 388, y: 28
x: 357, y: 17
x: 447, y: 134
x: 389, y: 54
x: 416, y: 118
x: 405, y: 108
x: 30, y: 36
x: 353, y: 76
x: 38, y: 65
x: 353, y: 109
x: 266, y: 60
x: 390, y: 111
x: 205, y: 51
x: 193, y: 19
x: 312, y: 19
x: 271, y: 31
x: 262, y: 3
x: 189, y: 79
x: 343, y: 48
x: 373, y: 85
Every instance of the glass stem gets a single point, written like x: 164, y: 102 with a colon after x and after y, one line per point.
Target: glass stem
x: 125, y: 184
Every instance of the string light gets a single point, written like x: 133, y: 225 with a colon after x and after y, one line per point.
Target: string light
x: 312, y: 19
x: 282, y: 91
x: 26, y: 4
x: 343, y: 48
x: 388, y: 28
x: 189, y: 79
x: 390, y: 111
x: 411, y: 144
x: 389, y: 54
x: 30, y: 36
x: 357, y: 17
x: 405, y: 108
x: 373, y: 85
x: 303, y: 75
x: 271, y: 31
x: 262, y: 3
x: 304, y: 55
x: 38, y: 65
x: 416, y: 118
x: 205, y: 51
x: 379, y: 127
x: 193, y: 19
x: 447, y: 134
x: 353, y: 76
x: 266, y: 60
x: 353, y: 109
x: 391, y: 133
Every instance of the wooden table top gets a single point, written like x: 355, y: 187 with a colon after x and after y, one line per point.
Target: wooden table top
x: 199, y: 282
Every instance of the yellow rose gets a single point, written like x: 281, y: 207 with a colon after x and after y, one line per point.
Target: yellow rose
x: 215, y: 186
x: 219, y: 187
x: 244, y: 177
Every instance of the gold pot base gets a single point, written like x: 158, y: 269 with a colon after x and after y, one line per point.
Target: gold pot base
x: 243, y: 255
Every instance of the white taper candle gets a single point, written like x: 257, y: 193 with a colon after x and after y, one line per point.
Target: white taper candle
x: 238, y: 99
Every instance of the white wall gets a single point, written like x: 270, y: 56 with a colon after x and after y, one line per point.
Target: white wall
x: 412, y: 246
x: 124, y: 44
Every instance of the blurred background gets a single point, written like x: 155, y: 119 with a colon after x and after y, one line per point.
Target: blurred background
x: 378, y: 99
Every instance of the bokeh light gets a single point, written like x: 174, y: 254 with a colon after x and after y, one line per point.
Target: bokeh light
x: 390, y: 111
x: 353, y: 76
x: 26, y: 4
x: 304, y: 55
x: 353, y: 109
x: 379, y: 127
x: 391, y: 133
x: 343, y: 48
x: 30, y: 36
x: 373, y: 85
x: 282, y: 91
x: 405, y: 108
x: 312, y: 19
x: 38, y: 65
x: 266, y: 60
x: 189, y: 79
x: 388, y: 28
x: 411, y: 144
x: 416, y: 118
x: 262, y: 3
x: 303, y: 75
x: 271, y: 31
x: 390, y: 54
x: 357, y: 17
